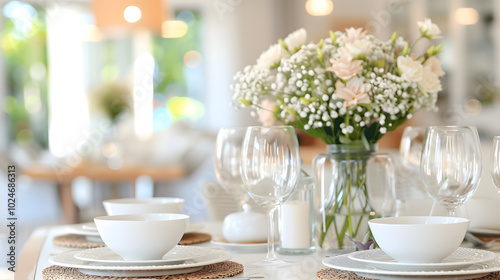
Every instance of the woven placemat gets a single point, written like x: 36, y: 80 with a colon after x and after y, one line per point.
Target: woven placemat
x: 213, y: 271
x: 194, y: 238
x: 336, y: 274
x: 76, y: 240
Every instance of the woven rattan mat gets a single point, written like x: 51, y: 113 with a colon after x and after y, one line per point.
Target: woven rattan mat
x: 335, y: 274
x: 213, y: 271
x: 80, y: 241
x: 76, y: 240
x: 194, y: 238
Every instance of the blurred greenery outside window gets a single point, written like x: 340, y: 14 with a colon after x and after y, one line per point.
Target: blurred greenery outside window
x: 23, y: 43
x: 178, y: 77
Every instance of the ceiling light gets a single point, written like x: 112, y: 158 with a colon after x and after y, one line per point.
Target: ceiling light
x: 319, y: 7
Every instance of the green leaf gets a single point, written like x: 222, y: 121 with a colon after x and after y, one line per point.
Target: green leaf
x: 283, y: 45
x: 371, y: 132
x: 379, y: 63
x: 365, y: 141
x: 405, y: 50
x: 305, y: 101
x: 320, y: 53
x: 245, y: 102
x: 438, y: 48
x: 333, y: 36
x: 396, y: 123
x: 291, y: 111
x: 394, y: 37
x: 430, y: 50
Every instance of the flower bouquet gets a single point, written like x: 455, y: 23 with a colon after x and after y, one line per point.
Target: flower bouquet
x: 348, y: 89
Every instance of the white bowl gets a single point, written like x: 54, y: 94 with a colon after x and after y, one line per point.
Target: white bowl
x: 483, y: 212
x: 125, y: 206
x: 419, y: 239
x: 142, y: 236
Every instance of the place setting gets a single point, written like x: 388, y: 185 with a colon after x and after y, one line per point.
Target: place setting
x: 417, y: 247
x: 139, y: 245
x: 428, y: 247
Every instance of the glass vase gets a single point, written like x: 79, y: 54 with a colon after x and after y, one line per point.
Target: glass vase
x: 353, y: 185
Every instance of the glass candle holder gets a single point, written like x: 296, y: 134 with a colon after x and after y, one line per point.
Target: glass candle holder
x: 296, y: 222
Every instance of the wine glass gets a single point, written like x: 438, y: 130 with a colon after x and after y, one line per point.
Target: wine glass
x: 451, y: 164
x: 495, y: 162
x: 410, y: 148
x: 270, y: 169
x: 227, y: 162
x: 411, y: 189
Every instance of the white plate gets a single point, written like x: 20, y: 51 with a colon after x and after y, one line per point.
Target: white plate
x: 93, y: 238
x: 240, y: 247
x: 138, y: 273
x: 68, y: 260
x: 177, y: 255
x: 461, y: 258
x: 485, y: 231
x: 343, y: 262
x: 78, y: 229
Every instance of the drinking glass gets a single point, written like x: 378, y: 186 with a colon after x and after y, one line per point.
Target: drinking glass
x: 495, y: 162
x: 270, y: 169
x: 227, y: 162
x: 410, y: 148
x: 451, y: 164
x: 411, y: 187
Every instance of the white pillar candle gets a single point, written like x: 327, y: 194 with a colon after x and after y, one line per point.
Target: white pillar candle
x: 296, y: 225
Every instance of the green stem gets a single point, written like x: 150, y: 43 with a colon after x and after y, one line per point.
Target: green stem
x: 414, y: 43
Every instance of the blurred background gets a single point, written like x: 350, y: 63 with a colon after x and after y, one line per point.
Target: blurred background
x: 113, y: 87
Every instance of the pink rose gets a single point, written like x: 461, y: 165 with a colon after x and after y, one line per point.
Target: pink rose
x: 266, y: 113
x: 353, y: 92
x: 346, y: 68
x: 435, y: 66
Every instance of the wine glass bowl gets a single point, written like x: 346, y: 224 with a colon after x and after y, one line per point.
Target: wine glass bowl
x: 410, y: 148
x: 451, y: 164
x: 270, y: 169
x: 495, y: 162
x: 227, y: 161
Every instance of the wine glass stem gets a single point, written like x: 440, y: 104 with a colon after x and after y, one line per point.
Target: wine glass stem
x: 451, y: 211
x: 271, y: 254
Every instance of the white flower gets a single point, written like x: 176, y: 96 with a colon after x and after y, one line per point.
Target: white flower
x: 429, y: 29
x: 430, y: 82
x: 266, y: 114
x: 357, y: 49
x: 296, y: 39
x: 435, y: 66
x: 353, y: 92
x: 272, y: 57
x: 410, y: 69
x: 346, y: 68
x: 354, y: 34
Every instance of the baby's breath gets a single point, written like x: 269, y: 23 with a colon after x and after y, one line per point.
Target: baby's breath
x: 311, y: 96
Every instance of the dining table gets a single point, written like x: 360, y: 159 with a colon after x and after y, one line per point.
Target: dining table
x: 34, y: 256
